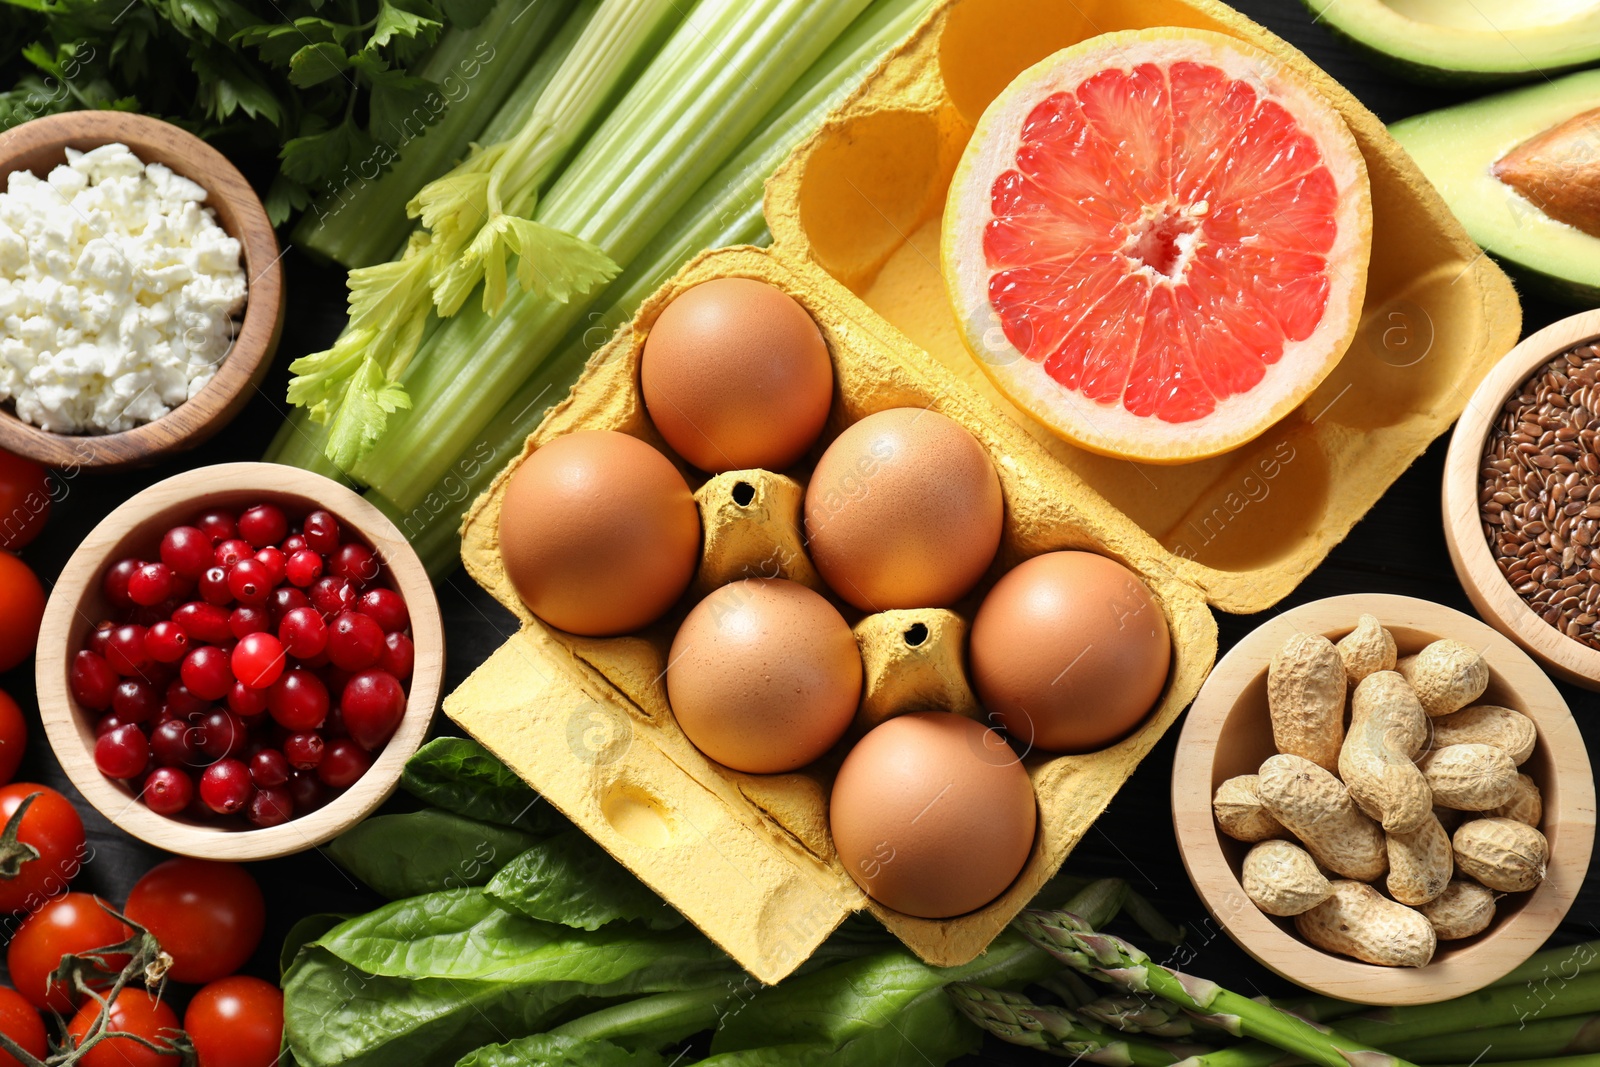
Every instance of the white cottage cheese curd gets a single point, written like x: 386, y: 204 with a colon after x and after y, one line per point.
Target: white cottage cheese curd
x: 118, y: 292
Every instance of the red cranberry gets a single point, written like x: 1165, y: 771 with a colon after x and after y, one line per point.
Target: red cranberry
x: 247, y: 702
x: 207, y: 673
x: 187, y: 550
x: 115, y: 584
x: 292, y: 544
x: 203, y: 622
x: 125, y: 650
x: 229, y: 554
x: 322, y: 532
x: 399, y: 656
x: 298, y: 701
x: 221, y: 734
x: 106, y: 724
x: 247, y: 619
x: 269, y: 768
x: 373, y: 704
x: 355, y: 641
x: 385, y: 607
x: 275, y: 561
x: 250, y: 582
x: 225, y: 786
x: 168, y: 791
x: 172, y: 743
x: 150, y: 584
x: 92, y: 680
x: 285, y: 599
x: 214, y: 586
x: 331, y: 594
x: 303, y: 751
x: 122, y: 753
x: 272, y: 806
x: 355, y: 563
x: 303, y: 568
x: 343, y: 764
x: 166, y: 642
x: 264, y: 525
x: 100, y: 640
x: 218, y: 526
x: 183, y: 703
x: 303, y: 633
x: 307, y: 792
x: 258, y: 660
x: 135, y: 701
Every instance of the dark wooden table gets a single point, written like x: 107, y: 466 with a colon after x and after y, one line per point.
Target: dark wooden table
x: 1398, y: 548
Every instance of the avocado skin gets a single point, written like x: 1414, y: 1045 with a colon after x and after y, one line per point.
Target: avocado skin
x: 1435, y: 76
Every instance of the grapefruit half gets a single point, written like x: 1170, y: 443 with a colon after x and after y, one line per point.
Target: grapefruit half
x: 1156, y: 242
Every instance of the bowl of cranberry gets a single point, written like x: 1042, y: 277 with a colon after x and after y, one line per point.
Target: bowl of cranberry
x: 238, y: 661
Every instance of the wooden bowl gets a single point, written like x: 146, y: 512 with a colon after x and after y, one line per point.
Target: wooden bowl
x: 134, y: 529
x: 39, y: 146
x: 1480, y: 575
x: 1228, y: 733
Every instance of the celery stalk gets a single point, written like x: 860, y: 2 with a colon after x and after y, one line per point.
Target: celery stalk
x: 721, y: 72
x: 474, y: 218
x: 725, y: 211
x: 478, y: 71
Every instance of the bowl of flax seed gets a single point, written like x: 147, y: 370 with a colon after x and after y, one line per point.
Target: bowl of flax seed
x: 1522, y: 497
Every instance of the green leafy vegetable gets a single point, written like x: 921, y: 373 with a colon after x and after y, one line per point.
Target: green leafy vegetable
x: 460, y: 775
x: 426, y: 852
x: 321, y: 87
x: 573, y: 881
x: 303, y: 933
x: 550, y: 1050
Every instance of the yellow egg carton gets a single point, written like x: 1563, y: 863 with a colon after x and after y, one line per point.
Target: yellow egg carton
x: 855, y: 213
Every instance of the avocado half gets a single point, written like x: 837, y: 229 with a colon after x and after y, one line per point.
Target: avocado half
x: 1444, y: 41
x: 1457, y: 147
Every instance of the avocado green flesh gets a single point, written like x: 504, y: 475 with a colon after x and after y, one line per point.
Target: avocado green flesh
x: 1456, y: 146
x: 1478, y: 40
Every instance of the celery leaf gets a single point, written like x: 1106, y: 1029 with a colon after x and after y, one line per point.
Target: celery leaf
x: 358, y: 424
x: 555, y: 264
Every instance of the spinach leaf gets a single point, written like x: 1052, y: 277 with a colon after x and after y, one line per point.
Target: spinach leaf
x: 423, y: 980
x: 460, y: 775
x: 303, y: 933
x: 552, y: 1050
x: 573, y: 881
x: 928, y: 1030
x: 425, y: 852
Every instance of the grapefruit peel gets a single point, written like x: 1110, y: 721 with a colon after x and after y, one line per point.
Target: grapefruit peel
x: 1168, y: 241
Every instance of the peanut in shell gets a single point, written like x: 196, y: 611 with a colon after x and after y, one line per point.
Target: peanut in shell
x: 1387, y: 727
x: 1501, y: 853
x: 1282, y: 878
x: 1359, y: 921
x: 1420, y: 863
x: 1240, y: 813
x: 1469, y: 777
x: 1305, y: 697
x: 1447, y: 676
x: 1316, y: 807
x: 1487, y: 724
x: 1367, y: 649
x: 1526, y: 804
x: 1462, y: 910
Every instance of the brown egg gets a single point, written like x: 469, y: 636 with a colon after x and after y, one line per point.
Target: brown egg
x: 1070, y: 650
x: 764, y: 675
x: 599, y: 533
x: 903, y: 511
x: 736, y: 375
x: 933, y: 814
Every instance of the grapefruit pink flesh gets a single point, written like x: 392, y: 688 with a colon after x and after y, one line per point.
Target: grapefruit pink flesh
x: 1172, y: 230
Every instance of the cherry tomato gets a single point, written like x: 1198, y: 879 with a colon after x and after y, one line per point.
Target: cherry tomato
x: 208, y: 916
x: 133, y: 1012
x: 71, y: 924
x: 24, y: 500
x: 52, y: 826
x: 236, y: 1022
x: 20, y: 1021
x: 13, y: 737
x: 21, y: 608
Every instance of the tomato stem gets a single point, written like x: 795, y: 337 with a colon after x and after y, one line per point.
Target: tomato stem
x: 15, y: 853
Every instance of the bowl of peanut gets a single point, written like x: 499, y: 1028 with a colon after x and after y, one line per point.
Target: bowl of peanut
x: 1383, y: 800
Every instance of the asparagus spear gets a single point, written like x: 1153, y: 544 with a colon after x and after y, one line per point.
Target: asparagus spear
x: 1074, y: 942
x: 1013, y: 1017
x: 1541, y: 1037
x: 1496, y: 1006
